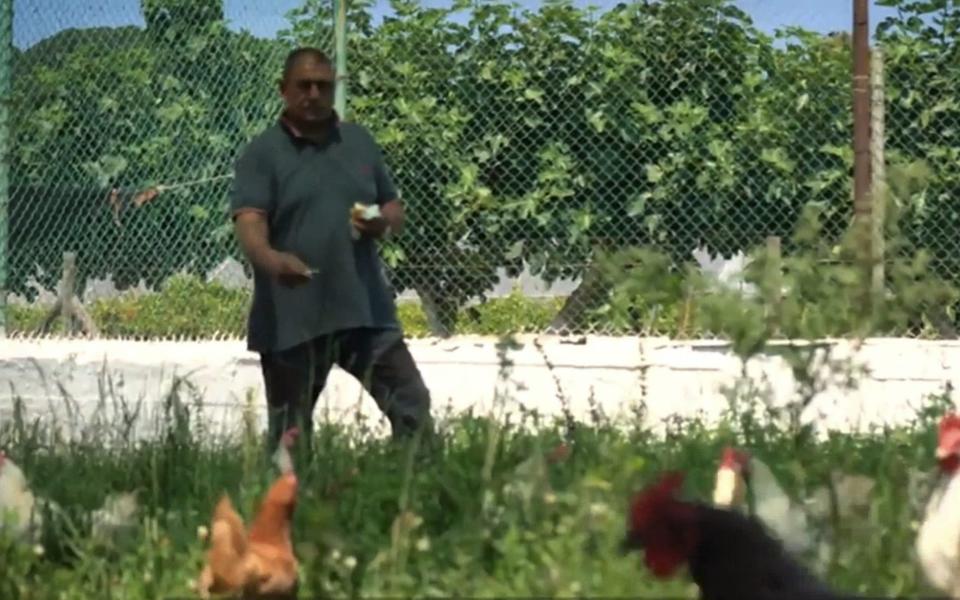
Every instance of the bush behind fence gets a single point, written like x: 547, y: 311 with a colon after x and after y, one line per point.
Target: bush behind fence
x: 522, y: 140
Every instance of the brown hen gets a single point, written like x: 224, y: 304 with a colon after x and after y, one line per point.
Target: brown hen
x: 260, y: 564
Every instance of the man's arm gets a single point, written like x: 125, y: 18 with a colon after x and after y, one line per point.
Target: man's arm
x: 253, y: 235
x: 251, y: 200
x: 393, y: 212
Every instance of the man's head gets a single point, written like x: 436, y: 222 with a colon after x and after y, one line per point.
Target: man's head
x: 307, y: 86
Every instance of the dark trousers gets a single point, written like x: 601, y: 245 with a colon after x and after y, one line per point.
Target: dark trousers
x: 379, y: 359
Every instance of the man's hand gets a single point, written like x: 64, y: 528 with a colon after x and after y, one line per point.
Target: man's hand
x: 252, y: 233
x: 391, y: 215
x: 288, y: 269
x: 374, y: 227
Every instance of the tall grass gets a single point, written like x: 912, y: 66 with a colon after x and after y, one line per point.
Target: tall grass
x: 478, y: 512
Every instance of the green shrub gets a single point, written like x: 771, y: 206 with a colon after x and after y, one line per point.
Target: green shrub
x: 187, y: 307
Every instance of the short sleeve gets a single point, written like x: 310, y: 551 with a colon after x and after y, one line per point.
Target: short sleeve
x: 252, y: 187
x: 386, y: 189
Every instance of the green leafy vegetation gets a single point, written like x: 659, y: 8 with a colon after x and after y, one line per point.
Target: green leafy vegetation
x: 186, y: 307
x: 547, y: 138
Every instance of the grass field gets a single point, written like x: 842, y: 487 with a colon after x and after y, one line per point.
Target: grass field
x: 480, y: 515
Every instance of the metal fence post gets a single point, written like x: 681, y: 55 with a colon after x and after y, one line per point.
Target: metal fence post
x: 340, y: 42
x: 878, y: 187
x: 6, y: 75
x: 862, y: 166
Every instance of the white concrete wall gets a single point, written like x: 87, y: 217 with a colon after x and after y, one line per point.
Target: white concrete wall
x: 621, y: 374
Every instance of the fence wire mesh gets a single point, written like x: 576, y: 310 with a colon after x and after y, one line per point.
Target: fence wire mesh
x: 527, y: 144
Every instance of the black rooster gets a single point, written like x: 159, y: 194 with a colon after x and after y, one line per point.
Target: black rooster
x: 729, y: 555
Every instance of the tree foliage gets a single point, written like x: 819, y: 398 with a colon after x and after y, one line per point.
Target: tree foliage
x: 168, y: 18
x: 923, y: 99
x: 538, y: 138
x: 120, y: 111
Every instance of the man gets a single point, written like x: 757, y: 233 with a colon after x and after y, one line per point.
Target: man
x: 320, y: 297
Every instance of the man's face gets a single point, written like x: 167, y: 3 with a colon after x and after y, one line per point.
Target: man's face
x: 308, y: 90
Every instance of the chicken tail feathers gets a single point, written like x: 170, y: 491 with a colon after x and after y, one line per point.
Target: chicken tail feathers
x: 228, y: 543
x: 225, y: 569
x: 227, y: 530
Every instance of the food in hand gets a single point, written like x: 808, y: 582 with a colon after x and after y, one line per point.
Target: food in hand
x: 365, y: 212
x: 362, y: 212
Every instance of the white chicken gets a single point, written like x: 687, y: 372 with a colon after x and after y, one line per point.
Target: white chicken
x: 785, y: 518
x: 21, y: 515
x: 802, y: 526
x: 22, y: 512
x: 938, y: 541
x: 116, y: 520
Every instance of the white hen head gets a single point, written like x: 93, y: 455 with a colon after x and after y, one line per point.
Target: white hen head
x: 730, y: 488
x: 282, y: 456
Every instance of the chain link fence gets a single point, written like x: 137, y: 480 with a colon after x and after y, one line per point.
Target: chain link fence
x: 528, y: 145
x: 123, y: 141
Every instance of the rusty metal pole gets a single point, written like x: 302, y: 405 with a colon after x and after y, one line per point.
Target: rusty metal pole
x: 862, y: 177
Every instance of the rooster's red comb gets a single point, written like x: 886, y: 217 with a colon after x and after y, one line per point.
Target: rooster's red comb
x: 650, y: 504
x: 289, y: 437
x: 733, y: 457
x: 949, y: 421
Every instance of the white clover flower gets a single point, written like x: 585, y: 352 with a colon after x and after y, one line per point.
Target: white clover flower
x: 598, y: 509
x: 423, y: 544
x: 202, y: 533
x: 350, y: 562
